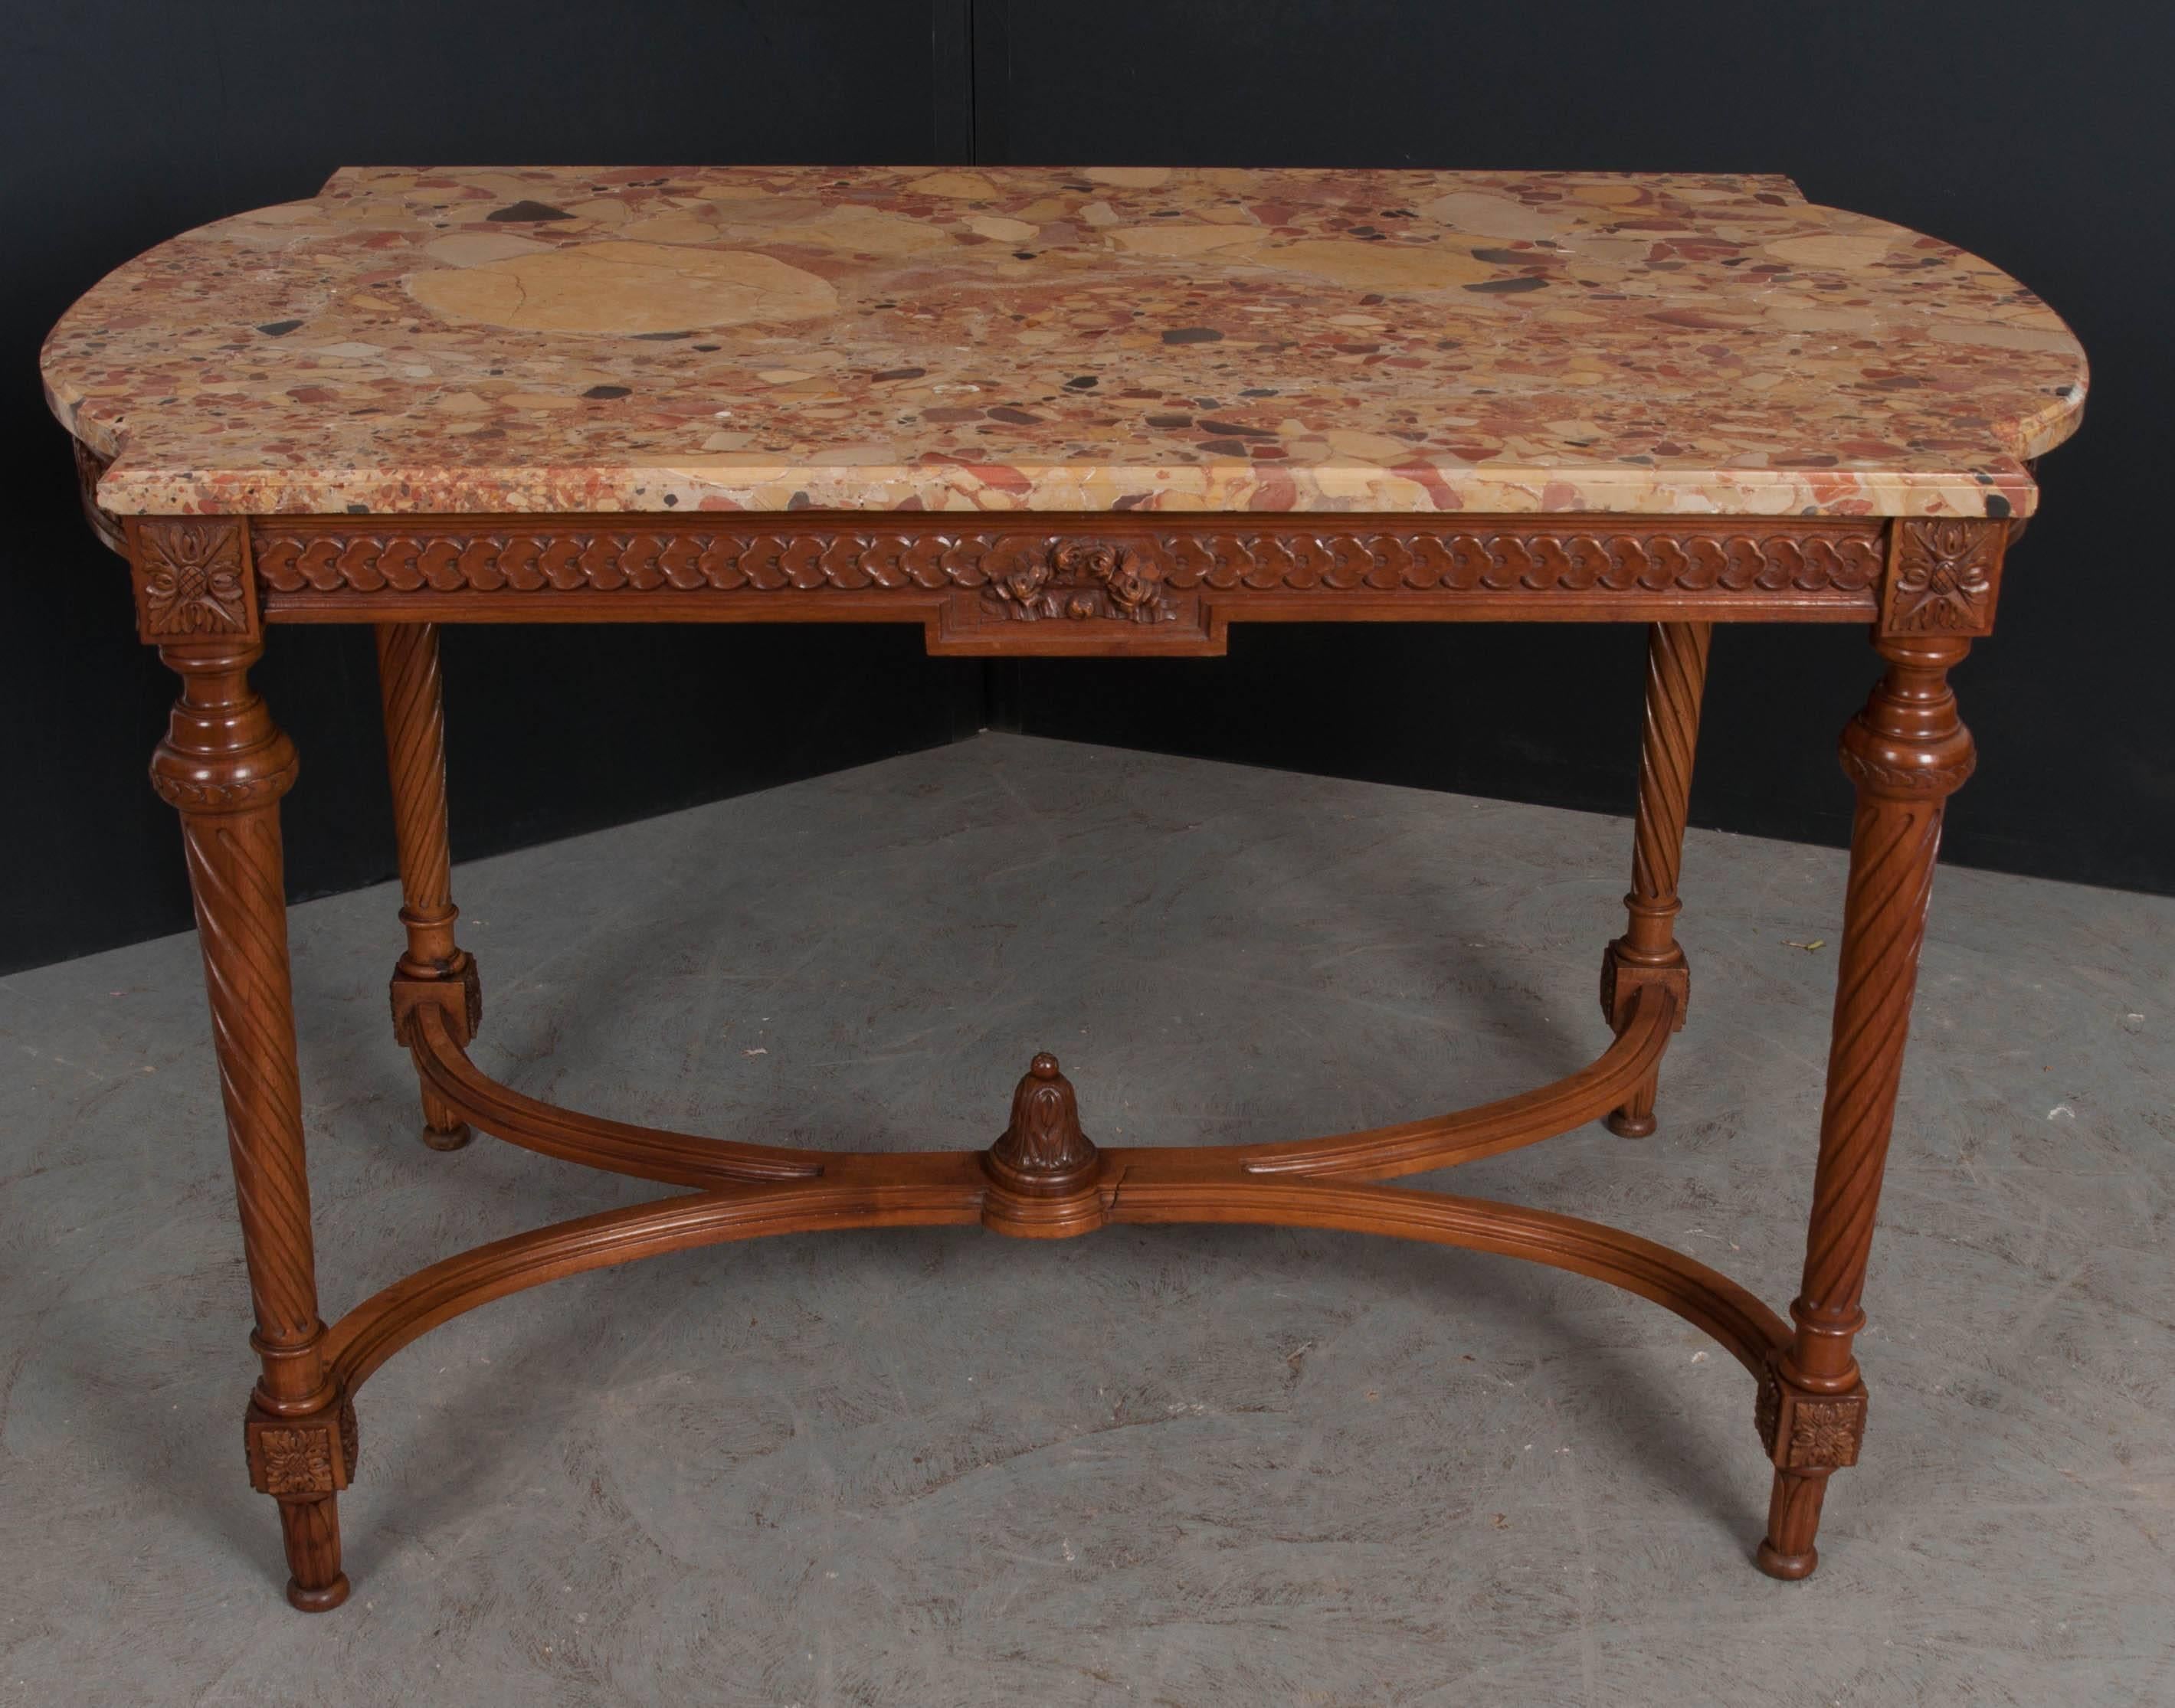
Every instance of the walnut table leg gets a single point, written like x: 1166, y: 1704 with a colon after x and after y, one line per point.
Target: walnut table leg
x: 1647, y: 952
x: 1907, y: 752
x: 225, y: 765
x: 435, y: 969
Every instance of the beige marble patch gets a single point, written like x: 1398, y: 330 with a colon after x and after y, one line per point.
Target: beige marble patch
x: 509, y: 187
x: 389, y: 213
x: 758, y: 211
x: 1807, y: 317
x: 672, y: 228
x: 1370, y: 488
x: 1831, y: 250
x: 971, y: 186
x: 1496, y: 216
x: 473, y: 248
x: 868, y: 231
x: 602, y: 210
x: 1618, y: 252
x: 1130, y: 177
x: 1368, y: 447
x: 284, y: 214
x: 625, y: 288
x: 1169, y: 237
x: 1997, y: 337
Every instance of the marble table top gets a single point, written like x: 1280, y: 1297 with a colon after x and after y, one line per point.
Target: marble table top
x: 567, y: 340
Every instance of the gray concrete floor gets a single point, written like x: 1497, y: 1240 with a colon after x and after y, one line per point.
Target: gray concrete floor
x: 1190, y: 1466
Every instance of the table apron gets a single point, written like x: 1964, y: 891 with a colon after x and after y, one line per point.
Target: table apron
x: 1108, y: 585
x: 1205, y: 636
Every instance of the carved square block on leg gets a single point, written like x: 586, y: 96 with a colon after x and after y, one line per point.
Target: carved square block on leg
x: 1621, y: 979
x: 300, y: 1458
x: 458, y: 995
x: 1809, y: 1432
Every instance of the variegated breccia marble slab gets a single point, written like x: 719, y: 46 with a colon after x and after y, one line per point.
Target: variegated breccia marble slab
x: 565, y: 339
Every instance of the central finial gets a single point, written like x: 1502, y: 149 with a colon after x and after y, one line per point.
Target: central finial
x: 1043, y: 1157
x: 1043, y: 1149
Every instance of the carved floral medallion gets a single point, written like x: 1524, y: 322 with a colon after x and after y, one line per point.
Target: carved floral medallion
x: 191, y: 578
x: 1945, y: 575
x: 1808, y: 1432
x: 1030, y: 580
x: 302, y: 1456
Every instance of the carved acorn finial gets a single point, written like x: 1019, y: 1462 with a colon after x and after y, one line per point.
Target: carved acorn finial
x: 1043, y: 1147
x: 1043, y: 1154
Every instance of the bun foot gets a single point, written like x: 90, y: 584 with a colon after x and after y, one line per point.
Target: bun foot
x: 1633, y: 1118
x: 1789, y: 1567
x: 318, y: 1600
x: 443, y: 1129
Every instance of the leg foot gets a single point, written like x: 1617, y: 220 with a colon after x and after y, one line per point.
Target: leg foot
x: 322, y: 1601
x: 1636, y: 1120
x: 1793, y: 1518
x: 1788, y: 1567
x: 311, y: 1531
x: 442, y: 1129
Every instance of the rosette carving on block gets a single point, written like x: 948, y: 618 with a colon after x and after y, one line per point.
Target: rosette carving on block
x: 1809, y: 1432
x: 302, y: 1458
x: 192, y: 578
x: 1944, y: 573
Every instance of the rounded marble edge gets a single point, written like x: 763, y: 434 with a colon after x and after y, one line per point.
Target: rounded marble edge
x: 2004, y: 489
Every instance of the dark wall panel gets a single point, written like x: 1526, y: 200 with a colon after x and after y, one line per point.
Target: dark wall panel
x: 2043, y: 139
x: 123, y: 123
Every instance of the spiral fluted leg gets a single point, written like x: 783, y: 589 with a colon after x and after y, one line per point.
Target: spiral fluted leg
x: 435, y: 967
x: 1907, y: 752
x: 225, y: 766
x: 1647, y: 952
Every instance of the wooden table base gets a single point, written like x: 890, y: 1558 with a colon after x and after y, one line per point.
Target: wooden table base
x: 205, y: 587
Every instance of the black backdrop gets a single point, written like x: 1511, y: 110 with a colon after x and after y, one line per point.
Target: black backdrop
x: 2035, y: 136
